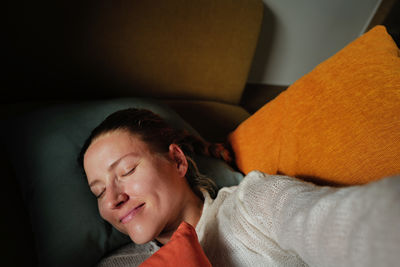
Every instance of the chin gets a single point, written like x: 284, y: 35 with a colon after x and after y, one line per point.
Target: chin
x: 142, y: 235
x: 138, y: 239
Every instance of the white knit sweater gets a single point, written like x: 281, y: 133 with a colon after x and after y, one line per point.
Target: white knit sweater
x: 280, y: 221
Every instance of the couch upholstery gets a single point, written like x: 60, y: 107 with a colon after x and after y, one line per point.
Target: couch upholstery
x: 193, y: 55
x: 181, y: 50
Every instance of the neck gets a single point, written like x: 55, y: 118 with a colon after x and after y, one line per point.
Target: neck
x: 191, y: 214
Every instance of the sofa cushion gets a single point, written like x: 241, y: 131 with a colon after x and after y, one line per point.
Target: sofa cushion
x: 213, y: 120
x: 339, y: 124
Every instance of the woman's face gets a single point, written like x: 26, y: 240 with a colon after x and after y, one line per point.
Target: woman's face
x: 141, y: 193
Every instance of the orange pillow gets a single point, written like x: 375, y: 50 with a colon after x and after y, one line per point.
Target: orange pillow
x: 183, y: 249
x: 339, y: 124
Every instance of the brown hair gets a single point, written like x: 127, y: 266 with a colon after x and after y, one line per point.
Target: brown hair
x: 153, y: 130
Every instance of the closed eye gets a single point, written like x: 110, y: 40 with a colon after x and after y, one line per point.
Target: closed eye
x: 129, y: 172
x: 99, y: 195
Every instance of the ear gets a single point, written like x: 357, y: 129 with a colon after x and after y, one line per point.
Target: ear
x: 177, y: 155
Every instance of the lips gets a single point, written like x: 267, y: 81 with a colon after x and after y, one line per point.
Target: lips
x: 129, y: 216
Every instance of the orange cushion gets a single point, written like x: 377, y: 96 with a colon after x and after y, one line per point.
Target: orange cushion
x: 339, y: 124
x: 183, y: 249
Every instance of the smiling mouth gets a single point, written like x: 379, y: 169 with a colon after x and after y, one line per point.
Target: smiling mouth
x: 131, y: 214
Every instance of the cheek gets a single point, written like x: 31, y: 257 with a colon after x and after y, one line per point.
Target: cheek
x: 137, y: 188
x: 110, y: 219
x: 140, y: 185
x: 103, y: 213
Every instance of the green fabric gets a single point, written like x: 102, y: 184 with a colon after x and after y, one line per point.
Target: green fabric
x: 43, y: 146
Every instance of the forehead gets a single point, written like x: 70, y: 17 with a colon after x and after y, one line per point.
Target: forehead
x: 118, y: 138
x: 111, y: 146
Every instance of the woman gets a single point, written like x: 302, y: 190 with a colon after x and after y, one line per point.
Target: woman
x: 141, y: 171
x: 139, y: 144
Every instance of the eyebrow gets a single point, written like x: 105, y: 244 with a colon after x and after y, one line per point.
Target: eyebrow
x: 112, y: 166
x: 115, y: 163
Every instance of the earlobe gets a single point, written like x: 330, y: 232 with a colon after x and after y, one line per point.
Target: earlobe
x: 179, y: 157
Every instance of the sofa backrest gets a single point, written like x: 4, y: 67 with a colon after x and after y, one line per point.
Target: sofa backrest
x: 184, y: 49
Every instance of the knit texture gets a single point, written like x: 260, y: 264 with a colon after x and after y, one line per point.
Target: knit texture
x: 281, y: 221
x: 129, y: 255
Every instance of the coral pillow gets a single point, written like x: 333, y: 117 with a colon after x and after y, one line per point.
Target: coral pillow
x: 183, y: 249
x: 339, y: 124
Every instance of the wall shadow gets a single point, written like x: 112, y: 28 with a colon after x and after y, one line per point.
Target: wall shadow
x: 264, y: 45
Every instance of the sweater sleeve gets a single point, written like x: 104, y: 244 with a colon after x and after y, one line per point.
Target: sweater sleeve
x: 325, y: 226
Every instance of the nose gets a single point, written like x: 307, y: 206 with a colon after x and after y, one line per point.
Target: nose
x: 117, y: 197
x: 121, y: 199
